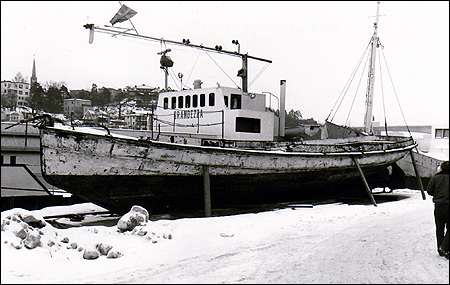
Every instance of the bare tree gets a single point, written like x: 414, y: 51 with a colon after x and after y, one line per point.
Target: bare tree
x: 19, y: 78
x: 57, y: 85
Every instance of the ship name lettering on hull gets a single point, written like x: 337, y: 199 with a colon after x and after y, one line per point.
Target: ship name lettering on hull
x: 188, y: 114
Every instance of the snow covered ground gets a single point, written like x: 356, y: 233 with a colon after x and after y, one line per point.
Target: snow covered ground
x: 332, y: 243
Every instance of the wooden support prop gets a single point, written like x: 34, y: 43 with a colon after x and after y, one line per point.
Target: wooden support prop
x: 207, y: 190
x: 416, y: 170
x: 364, y: 181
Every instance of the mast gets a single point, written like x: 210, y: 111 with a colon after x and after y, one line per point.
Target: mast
x: 368, y: 128
x: 117, y: 31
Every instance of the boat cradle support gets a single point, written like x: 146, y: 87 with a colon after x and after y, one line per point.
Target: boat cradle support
x: 207, y: 190
x: 416, y: 170
x: 363, y: 178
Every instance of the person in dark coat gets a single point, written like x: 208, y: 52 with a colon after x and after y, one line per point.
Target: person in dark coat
x: 438, y: 187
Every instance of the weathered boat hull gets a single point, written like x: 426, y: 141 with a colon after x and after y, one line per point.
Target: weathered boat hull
x: 118, y: 172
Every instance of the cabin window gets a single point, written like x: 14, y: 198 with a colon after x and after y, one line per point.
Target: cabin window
x: 2, y: 156
x: 211, y: 99
x: 195, y: 101
x: 188, y: 101
x: 180, y: 102
x: 174, y: 102
x: 236, y: 100
x: 166, y: 103
x: 202, y: 100
x: 248, y: 125
x: 225, y: 98
x: 441, y: 133
x: 12, y: 160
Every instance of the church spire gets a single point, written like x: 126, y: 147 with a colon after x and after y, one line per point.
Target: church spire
x: 33, y: 73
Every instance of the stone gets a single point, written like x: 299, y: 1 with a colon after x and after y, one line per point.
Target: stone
x: 135, y: 217
x: 127, y: 222
x: 65, y: 240
x: 33, y: 221
x: 32, y: 240
x: 103, y: 248
x: 114, y: 254
x: 141, y: 210
x: 139, y: 231
x: 91, y: 253
x: 21, y: 233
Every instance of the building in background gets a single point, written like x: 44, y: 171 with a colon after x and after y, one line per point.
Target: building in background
x: 95, y: 117
x: 76, y: 108
x: 138, y: 120
x: 18, y: 90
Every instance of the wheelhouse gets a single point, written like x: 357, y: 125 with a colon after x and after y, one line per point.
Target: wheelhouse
x: 221, y: 113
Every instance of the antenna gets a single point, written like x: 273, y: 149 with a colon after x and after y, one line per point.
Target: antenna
x: 166, y: 62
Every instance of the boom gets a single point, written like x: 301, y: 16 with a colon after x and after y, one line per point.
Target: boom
x: 118, y: 31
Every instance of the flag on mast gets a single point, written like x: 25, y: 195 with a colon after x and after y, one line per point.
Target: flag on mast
x: 124, y: 13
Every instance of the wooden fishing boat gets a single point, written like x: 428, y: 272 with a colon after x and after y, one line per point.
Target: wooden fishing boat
x: 221, y: 143
x: 117, y: 172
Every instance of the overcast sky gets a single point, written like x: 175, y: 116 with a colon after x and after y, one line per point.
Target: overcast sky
x: 314, y: 46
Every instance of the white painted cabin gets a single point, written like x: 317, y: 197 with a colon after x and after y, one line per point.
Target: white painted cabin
x: 220, y: 113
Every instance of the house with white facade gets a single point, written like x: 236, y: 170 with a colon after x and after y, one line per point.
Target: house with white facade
x: 19, y: 89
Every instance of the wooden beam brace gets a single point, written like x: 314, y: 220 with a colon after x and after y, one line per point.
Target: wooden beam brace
x: 416, y: 170
x: 364, y: 181
x: 207, y: 190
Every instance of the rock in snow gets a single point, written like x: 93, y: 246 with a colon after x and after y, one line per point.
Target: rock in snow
x: 135, y: 217
x: 32, y: 240
x: 103, y: 249
x: 22, y: 228
x: 21, y: 224
x: 114, y: 254
x: 91, y: 253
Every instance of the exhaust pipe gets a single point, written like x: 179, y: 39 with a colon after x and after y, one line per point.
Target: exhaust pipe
x: 282, y: 107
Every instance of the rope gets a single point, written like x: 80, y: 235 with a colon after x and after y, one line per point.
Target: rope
x: 259, y: 74
x: 194, y: 65
x: 382, y: 91
x: 172, y: 75
x: 221, y: 69
x: 347, y: 85
x: 186, y: 126
x: 356, y: 92
x: 395, y: 92
x: 174, y: 78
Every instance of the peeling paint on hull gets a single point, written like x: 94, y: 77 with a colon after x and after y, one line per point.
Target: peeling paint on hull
x: 117, y: 173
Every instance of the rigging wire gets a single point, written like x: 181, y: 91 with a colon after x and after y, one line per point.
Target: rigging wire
x: 382, y: 90
x: 395, y: 92
x: 347, y: 85
x: 356, y: 92
x: 194, y: 66
x: 222, y: 69
x: 174, y: 78
x: 259, y: 74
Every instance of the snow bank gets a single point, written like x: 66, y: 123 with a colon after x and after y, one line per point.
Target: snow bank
x: 332, y: 243
x: 27, y: 230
